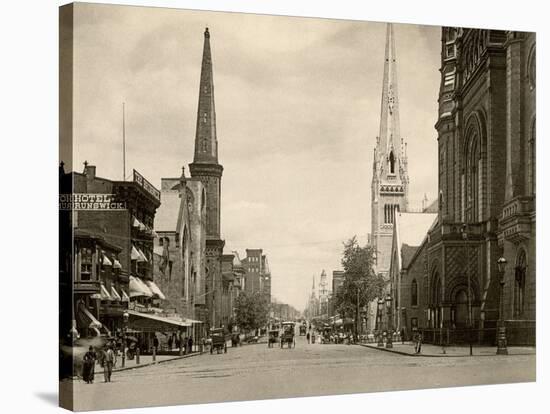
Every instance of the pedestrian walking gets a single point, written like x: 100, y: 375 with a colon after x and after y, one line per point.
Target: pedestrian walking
x: 88, y: 370
x: 156, y: 343
x: 190, y: 344
x: 203, y: 344
x: 313, y: 337
x: 108, y: 362
x: 307, y: 337
x: 418, y: 345
x: 170, y: 339
x: 403, y: 336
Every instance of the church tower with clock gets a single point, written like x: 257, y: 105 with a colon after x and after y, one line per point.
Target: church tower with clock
x: 390, y: 180
x: 206, y: 168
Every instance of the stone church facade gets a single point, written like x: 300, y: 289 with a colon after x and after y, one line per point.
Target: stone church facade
x: 486, y: 145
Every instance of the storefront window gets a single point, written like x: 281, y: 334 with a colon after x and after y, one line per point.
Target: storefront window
x: 86, y: 263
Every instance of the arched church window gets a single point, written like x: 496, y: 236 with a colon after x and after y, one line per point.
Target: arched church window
x: 392, y: 163
x: 532, y: 69
x: 472, y: 179
x: 414, y: 293
x: 184, y: 256
x: 532, y: 161
x: 519, y: 283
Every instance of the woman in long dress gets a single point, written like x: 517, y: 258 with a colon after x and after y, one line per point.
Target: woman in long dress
x: 88, y: 370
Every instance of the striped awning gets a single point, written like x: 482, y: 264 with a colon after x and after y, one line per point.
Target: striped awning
x: 106, y: 261
x: 115, y: 295
x: 139, y: 288
x: 105, y: 295
x: 155, y: 289
x: 125, y: 297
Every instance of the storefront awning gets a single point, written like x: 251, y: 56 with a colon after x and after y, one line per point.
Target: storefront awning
x: 117, y: 265
x: 139, y: 288
x: 105, y: 293
x: 135, y: 254
x: 154, y: 323
x: 92, y: 322
x: 193, y: 321
x: 115, y: 295
x: 106, y: 261
x: 125, y: 297
x: 155, y: 289
x: 143, y: 257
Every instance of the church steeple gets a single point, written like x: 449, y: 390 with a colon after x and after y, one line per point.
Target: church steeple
x: 205, y: 164
x: 206, y: 142
x: 390, y: 179
x: 390, y: 134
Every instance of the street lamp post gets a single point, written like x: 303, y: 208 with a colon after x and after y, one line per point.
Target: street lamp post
x: 125, y: 317
x: 357, y: 312
x: 465, y: 237
x: 389, y: 299
x: 501, y: 338
x: 379, y: 316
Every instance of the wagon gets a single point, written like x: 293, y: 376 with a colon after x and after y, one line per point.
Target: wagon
x: 273, y: 338
x: 218, y: 341
x: 287, y: 336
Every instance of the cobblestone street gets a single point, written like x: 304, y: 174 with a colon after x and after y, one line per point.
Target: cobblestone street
x: 258, y: 372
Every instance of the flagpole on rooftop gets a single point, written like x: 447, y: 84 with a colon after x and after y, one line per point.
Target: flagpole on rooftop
x: 123, y: 142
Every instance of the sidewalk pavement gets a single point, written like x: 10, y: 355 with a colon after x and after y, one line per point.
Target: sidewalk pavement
x: 429, y: 350
x: 146, y: 360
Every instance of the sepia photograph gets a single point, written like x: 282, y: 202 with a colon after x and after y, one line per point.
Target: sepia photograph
x: 257, y: 206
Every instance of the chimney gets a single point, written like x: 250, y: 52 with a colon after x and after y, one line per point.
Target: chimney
x: 89, y: 170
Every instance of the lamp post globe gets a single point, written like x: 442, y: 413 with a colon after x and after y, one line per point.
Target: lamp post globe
x: 501, y: 332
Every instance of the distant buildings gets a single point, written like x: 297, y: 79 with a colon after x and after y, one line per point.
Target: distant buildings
x: 257, y: 274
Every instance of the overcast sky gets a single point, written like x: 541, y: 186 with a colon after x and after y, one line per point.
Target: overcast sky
x: 297, y: 107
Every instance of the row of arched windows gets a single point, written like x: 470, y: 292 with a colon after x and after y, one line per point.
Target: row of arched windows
x: 389, y: 213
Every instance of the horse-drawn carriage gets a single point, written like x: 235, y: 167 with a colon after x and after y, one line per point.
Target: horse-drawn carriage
x: 273, y: 338
x: 219, y: 343
x: 235, y: 339
x: 287, y: 336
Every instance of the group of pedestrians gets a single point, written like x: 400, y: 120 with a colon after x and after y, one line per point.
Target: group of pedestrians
x: 107, y: 359
x: 176, y: 341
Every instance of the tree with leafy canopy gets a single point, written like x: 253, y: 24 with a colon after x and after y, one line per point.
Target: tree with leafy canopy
x: 361, y: 283
x: 251, y: 311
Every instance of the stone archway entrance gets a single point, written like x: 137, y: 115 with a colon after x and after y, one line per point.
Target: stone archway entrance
x: 461, y: 309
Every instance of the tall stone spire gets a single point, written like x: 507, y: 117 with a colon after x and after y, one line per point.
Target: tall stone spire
x: 208, y: 171
x: 390, y: 135
x: 205, y: 164
x: 390, y: 177
x: 206, y: 142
